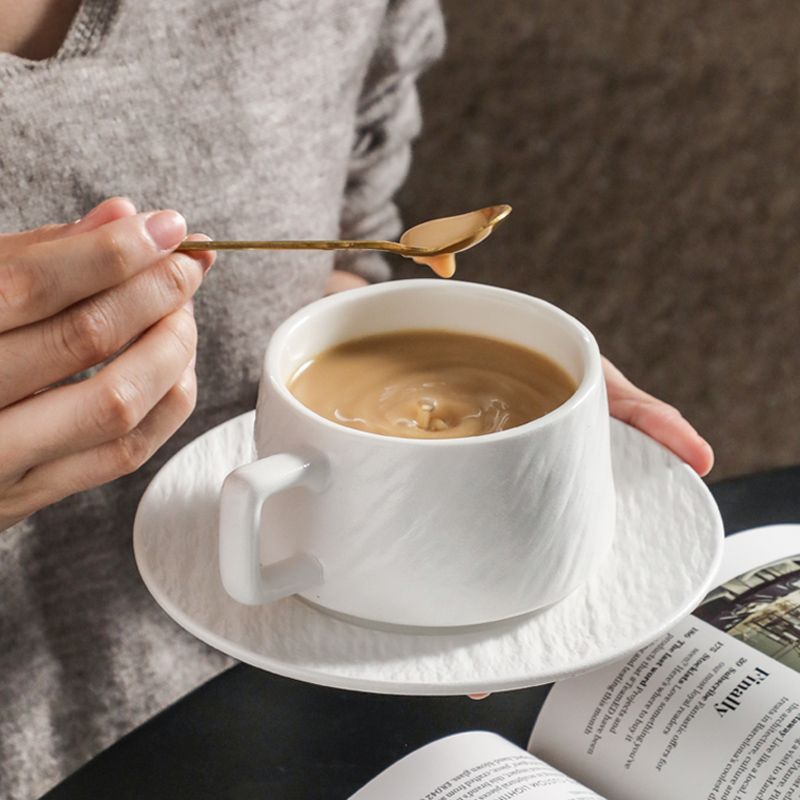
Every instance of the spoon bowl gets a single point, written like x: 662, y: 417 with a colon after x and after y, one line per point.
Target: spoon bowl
x: 438, y: 240
x: 449, y: 235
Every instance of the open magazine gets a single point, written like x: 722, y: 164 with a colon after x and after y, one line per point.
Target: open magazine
x: 710, y: 711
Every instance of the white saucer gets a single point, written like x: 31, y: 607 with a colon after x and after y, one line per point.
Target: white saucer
x: 666, y: 552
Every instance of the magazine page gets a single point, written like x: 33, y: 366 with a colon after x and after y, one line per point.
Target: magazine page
x: 711, y: 710
x: 472, y: 766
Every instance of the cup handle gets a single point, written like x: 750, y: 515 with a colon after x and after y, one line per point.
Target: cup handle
x: 243, y: 494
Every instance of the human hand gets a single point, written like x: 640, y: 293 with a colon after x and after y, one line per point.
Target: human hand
x: 657, y: 419
x: 72, y: 296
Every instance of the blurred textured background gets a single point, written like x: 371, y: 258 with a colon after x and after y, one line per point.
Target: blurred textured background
x: 651, y: 153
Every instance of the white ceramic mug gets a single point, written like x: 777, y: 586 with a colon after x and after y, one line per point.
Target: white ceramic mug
x: 433, y: 533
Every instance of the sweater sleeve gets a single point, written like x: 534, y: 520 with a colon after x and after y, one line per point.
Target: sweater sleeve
x: 388, y: 120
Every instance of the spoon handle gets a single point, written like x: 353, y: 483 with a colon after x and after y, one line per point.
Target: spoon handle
x: 322, y: 244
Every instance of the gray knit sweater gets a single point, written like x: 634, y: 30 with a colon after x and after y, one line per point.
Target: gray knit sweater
x: 255, y: 119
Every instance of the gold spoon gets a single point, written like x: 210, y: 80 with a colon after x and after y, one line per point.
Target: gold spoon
x: 433, y: 242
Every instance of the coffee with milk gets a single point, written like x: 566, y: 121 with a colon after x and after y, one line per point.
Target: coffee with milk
x: 431, y: 384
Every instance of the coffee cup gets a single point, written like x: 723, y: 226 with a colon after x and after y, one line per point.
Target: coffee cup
x: 421, y: 533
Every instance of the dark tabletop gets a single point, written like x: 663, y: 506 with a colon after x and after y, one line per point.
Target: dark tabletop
x: 249, y: 734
